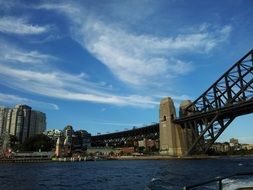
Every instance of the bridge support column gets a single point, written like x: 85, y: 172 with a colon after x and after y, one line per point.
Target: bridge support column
x: 172, y: 136
x: 189, y: 133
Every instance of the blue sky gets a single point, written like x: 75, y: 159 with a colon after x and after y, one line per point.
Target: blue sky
x: 103, y: 66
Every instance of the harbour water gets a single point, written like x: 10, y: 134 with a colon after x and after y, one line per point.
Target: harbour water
x: 122, y: 174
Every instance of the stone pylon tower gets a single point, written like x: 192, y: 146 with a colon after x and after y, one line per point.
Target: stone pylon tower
x: 188, y: 131
x: 172, y: 136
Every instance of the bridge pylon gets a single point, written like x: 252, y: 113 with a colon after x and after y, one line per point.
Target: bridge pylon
x: 173, y: 138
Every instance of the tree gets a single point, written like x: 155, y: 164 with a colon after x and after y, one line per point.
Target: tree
x: 14, y: 143
x: 38, y: 142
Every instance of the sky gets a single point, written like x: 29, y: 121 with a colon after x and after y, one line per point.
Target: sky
x: 104, y: 65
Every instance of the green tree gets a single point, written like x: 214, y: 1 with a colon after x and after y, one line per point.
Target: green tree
x: 38, y: 142
x: 14, y: 143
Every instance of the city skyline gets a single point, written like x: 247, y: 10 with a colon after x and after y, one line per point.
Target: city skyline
x: 104, y: 67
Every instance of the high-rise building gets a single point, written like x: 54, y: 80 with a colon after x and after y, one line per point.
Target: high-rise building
x: 18, y: 121
x: 22, y: 121
x: 3, y: 119
x: 37, y: 123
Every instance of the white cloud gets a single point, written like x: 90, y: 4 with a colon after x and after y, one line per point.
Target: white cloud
x: 13, y: 54
x: 15, y: 25
x: 65, y: 86
x: 13, y: 99
x: 66, y: 8
x: 138, y: 59
x: 45, y: 80
x: 131, y: 58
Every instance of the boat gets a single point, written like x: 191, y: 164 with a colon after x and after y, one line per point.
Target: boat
x: 237, y: 181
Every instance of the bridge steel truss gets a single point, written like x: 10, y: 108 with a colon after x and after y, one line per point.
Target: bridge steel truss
x: 150, y: 132
x: 212, y: 112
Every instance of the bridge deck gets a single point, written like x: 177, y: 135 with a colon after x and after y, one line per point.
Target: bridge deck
x: 228, y: 111
x: 154, y: 128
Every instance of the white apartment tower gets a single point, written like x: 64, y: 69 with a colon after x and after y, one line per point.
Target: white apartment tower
x: 22, y: 121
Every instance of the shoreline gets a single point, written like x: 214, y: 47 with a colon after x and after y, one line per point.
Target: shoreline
x: 165, y: 157
x: 25, y: 161
x: 158, y: 157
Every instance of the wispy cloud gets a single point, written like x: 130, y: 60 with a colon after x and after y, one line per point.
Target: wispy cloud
x: 66, y: 8
x: 21, y: 26
x: 10, y: 99
x: 66, y: 86
x: 55, y: 83
x: 13, y: 54
x: 138, y: 59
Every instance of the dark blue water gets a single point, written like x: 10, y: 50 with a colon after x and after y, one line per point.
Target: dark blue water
x: 114, y: 175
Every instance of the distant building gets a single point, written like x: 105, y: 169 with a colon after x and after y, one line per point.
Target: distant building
x: 233, y: 142
x: 128, y: 150
x: 3, y: 118
x: 233, y: 145
x: 220, y: 147
x: 68, y: 132
x: 247, y: 146
x: 37, y: 123
x: 22, y: 121
x: 82, y: 140
x: 148, y: 144
x: 54, y: 134
x: 143, y: 143
x: 70, y: 141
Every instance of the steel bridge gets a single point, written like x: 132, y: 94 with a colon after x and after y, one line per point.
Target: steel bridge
x: 150, y: 132
x: 210, y: 114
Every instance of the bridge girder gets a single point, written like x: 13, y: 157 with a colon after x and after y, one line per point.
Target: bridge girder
x: 212, y: 112
x: 136, y: 134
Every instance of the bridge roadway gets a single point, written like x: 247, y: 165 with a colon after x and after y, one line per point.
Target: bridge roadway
x: 228, y: 111
x: 150, y: 131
